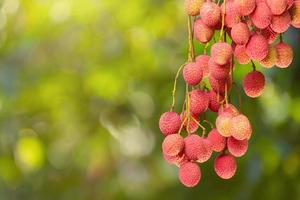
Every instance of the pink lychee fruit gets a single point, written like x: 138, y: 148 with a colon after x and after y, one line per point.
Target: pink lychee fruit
x: 281, y: 23
x: 269, y: 34
x: 192, y: 7
x: 254, y: 84
x: 217, y: 71
x: 295, y: 13
x: 228, y: 109
x: 189, y: 174
x: 202, y: 61
x: 245, y: 7
x: 240, y: 33
x: 257, y: 47
x: 225, y: 166
x: 271, y: 58
x: 210, y: 13
x: 277, y: 7
x: 221, y: 53
x: 169, y: 123
x: 241, y: 55
x: 232, y: 15
x: 217, y: 140
x: 197, y: 148
x: 240, y: 127
x: 202, y: 32
x: 220, y: 86
x: 177, y: 160
x: 172, y: 145
x: 284, y: 55
x: 192, y: 73
x: 199, y: 101
x: 237, y: 148
x: 215, y: 99
x: 261, y: 17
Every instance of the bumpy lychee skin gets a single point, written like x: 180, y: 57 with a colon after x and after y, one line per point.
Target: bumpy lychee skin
x: 192, y: 73
x: 189, y: 174
x: 225, y: 166
x: 262, y: 16
x: 202, y: 61
x: 214, y: 102
x: 254, y: 84
x: 199, y: 101
x: 202, y: 32
x: 241, y: 55
x: 257, y: 47
x: 229, y: 109
x: 237, y: 148
x: 193, y: 126
x: 197, y: 148
x: 284, y: 55
x: 206, y: 150
x: 210, y: 13
x: 192, y: 7
x: 217, y: 140
x: 222, y: 124
x: 281, y: 23
x: 217, y: 71
x: 172, y: 145
x: 219, y: 86
x: 169, y: 123
x: 240, y: 33
x: 221, y: 53
x: 277, y: 7
x: 177, y: 160
x: 232, y: 15
x: 240, y: 127
x: 271, y: 58
x: 269, y: 34
x: 295, y: 13
x: 245, y: 7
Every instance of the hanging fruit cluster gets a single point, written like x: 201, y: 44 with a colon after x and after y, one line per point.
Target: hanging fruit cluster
x: 253, y: 27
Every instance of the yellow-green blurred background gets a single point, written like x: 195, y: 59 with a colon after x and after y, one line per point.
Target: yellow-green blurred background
x: 82, y: 85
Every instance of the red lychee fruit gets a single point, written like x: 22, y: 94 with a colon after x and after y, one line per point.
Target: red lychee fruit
x: 225, y: 166
x: 189, y: 174
x: 221, y: 53
x: 169, y: 123
x: 271, y: 58
x: 289, y: 4
x: 172, y: 145
x: 193, y: 126
x: 199, y: 101
x: 232, y: 15
x: 284, y: 55
x: 217, y: 140
x: 281, y: 23
x: 202, y: 32
x: 217, y: 71
x: 177, y: 160
x: 241, y: 55
x: 197, y: 148
x: 222, y: 124
x: 219, y: 86
x: 257, y: 47
x: 228, y: 109
x: 254, y: 84
x: 215, y: 99
x: 206, y: 150
x: 240, y: 127
x: 295, y: 13
x: 245, y: 7
x: 240, y: 33
x: 261, y: 16
x: 202, y: 61
x: 210, y: 13
x: 192, y: 73
x: 192, y: 7
x: 236, y: 147
x: 269, y: 34
x: 277, y: 7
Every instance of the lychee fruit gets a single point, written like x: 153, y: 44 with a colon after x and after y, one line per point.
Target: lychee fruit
x: 245, y: 7
x: 189, y: 174
x: 221, y: 53
x: 172, y: 145
x: 254, y: 84
x: 219, y: 86
x: 240, y: 127
x: 210, y: 13
x: 261, y: 16
x: 217, y: 140
x: 232, y: 15
x: 202, y: 32
x: 236, y: 147
x: 228, y: 109
x: 240, y: 33
x: 177, y: 160
x: 202, y: 61
x: 295, y: 13
x: 192, y: 7
x: 257, y: 47
x: 169, y: 123
x: 217, y: 71
x: 222, y: 124
x: 269, y: 34
x: 284, y: 55
x: 193, y: 126
x: 271, y: 58
x: 277, y: 7
x: 225, y: 166
x: 192, y: 73
x: 199, y: 101
x: 241, y: 55
x: 197, y: 148
x: 215, y: 99
x: 206, y: 150
x: 281, y: 23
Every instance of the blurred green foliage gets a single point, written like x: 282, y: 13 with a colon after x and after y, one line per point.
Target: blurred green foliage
x: 82, y: 85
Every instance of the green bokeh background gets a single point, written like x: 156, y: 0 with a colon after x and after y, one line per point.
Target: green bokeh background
x: 82, y: 85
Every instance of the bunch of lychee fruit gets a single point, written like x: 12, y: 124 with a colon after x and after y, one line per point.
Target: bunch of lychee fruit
x: 247, y: 31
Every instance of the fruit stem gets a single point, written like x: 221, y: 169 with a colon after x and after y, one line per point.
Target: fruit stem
x: 202, y: 127
x: 174, y: 87
x: 210, y: 124
x: 181, y: 126
x: 188, y: 114
x: 191, y: 55
x: 226, y: 94
x: 223, y: 21
x: 253, y: 65
x: 281, y: 38
x: 205, y: 48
